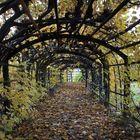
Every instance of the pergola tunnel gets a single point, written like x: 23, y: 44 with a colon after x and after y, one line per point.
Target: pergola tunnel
x: 48, y: 44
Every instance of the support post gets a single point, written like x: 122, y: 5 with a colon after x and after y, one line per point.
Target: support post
x: 48, y: 78
x: 43, y: 74
x: 86, y: 77
x: 100, y: 82
x: 61, y: 76
x: 6, y: 79
x: 37, y: 72
x: 6, y: 83
x: 106, y: 83
x: 126, y: 88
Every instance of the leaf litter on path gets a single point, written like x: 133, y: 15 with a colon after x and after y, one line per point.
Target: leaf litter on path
x: 71, y: 114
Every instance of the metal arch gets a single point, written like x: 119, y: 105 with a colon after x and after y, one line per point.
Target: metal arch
x: 71, y: 62
x: 60, y: 51
x: 83, y: 49
x: 63, y: 51
x: 77, y: 37
x: 124, y: 2
x: 63, y: 21
x: 87, y: 47
x: 47, y: 61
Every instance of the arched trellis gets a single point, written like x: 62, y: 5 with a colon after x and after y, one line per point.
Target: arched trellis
x: 80, y: 38
x: 46, y: 60
x: 77, y: 37
x: 12, y: 45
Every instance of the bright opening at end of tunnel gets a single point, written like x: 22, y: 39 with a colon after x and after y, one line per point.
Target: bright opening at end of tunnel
x: 74, y: 75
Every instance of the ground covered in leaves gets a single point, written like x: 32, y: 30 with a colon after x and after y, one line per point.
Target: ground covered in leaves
x: 71, y: 114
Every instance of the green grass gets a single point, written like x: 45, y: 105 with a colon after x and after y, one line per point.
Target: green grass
x: 135, y: 89
x: 77, y: 77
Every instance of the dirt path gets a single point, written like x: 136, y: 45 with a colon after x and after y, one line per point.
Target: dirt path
x: 72, y: 114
